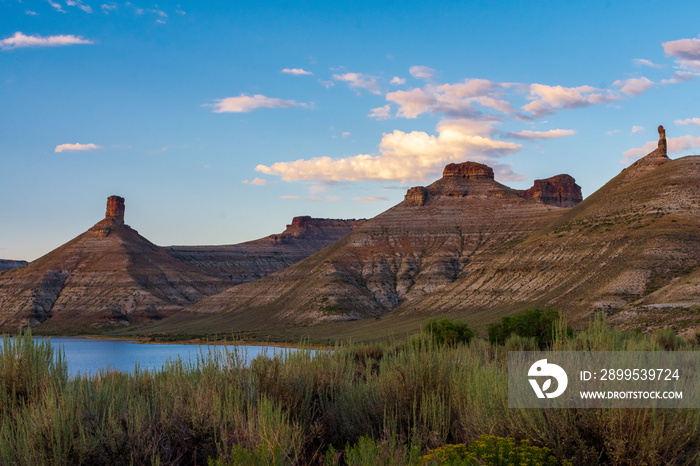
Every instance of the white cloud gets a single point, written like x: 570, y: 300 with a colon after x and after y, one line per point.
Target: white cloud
x: 534, y: 135
x: 414, y: 156
x: 77, y: 147
x: 675, y: 146
x: 289, y: 197
x: 634, y: 86
x: 370, y: 199
x: 613, y: 131
x: 56, y: 6
x: 107, y: 7
x: 19, y: 40
x: 636, y: 129
x: 244, y: 103
x: 79, y: 4
x: 381, y: 113
x: 30, y: 13
x: 258, y: 182
x: 360, y: 81
x: 645, y: 62
x: 346, y: 134
x: 422, y: 72
x: 688, y: 121
x: 549, y: 99
x: 686, y: 51
x: 297, y: 71
x: 397, y: 81
x: 455, y: 100
x: 680, y: 77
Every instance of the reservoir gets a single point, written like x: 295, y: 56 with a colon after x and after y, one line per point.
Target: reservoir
x: 87, y: 356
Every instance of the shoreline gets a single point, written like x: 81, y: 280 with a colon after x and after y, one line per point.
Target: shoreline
x: 191, y: 341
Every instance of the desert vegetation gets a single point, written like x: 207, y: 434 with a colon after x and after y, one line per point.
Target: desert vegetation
x: 414, y: 401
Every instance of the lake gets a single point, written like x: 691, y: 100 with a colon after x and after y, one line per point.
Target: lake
x: 88, y: 356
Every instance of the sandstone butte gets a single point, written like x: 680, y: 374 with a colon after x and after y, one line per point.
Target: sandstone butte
x: 112, y: 276
x: 469, y: 247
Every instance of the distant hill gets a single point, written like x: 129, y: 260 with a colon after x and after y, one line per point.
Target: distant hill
x: 112, y: 276
x: 238, y: 263
x: 6, y: 264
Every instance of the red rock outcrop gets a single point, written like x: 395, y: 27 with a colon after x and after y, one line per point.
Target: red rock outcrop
x: 244, y: 262
x: 649, y: 162
x: 663, y: 147
x: 114, y: 217
x: 115, y: 209
x: 308, y: 227
x: 476, y: 179
x: 560, y: 190
x: 468, y: 170
x: 416, y: 196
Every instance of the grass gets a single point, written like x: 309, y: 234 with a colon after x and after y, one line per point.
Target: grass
x: 385, y: 403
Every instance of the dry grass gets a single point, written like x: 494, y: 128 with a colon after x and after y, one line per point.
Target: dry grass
x: 385, y: 403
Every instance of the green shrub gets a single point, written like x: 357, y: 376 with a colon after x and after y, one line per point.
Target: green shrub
x: 668, y: 340
x: 387, y: 403
x: 531, y: 323
x: 28, y: 368
x: 449, y: 332
x: 386, y: 452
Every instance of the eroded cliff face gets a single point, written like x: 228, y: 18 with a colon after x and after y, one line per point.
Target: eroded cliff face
x: 110, y: 275
x: 469, y: 247
x: 459, y: 178
x: 560, y: 190
x: 632, y: 245
x: 416, y: 248
x: 244, y: 262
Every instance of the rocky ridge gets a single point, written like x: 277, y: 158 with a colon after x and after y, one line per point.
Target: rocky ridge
x: 244, y: 262
x: 635, y: 242
x: 110, y: 275
x: 560, y: 190
x: 469, y: 247
x: 416, y: 248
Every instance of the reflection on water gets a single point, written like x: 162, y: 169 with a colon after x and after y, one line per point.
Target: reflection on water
x: 85, y: 356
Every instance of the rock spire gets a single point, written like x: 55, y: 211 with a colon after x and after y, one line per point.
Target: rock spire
x: 662, y: 141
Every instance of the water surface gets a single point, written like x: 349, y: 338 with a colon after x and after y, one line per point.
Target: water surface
x: 88, y: 356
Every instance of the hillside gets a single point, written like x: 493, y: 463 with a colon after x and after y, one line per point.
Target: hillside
x: 627, y: 245
x: 112, y: 276
x: 416, y: 248
x: 471, y: 248
x: 239, y: 263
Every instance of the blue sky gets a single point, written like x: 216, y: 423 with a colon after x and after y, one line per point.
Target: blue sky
x: 220, y: 121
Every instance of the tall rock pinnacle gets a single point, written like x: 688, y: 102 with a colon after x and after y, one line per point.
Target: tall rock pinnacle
x: 115, y: 209
x: 662, y: 141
